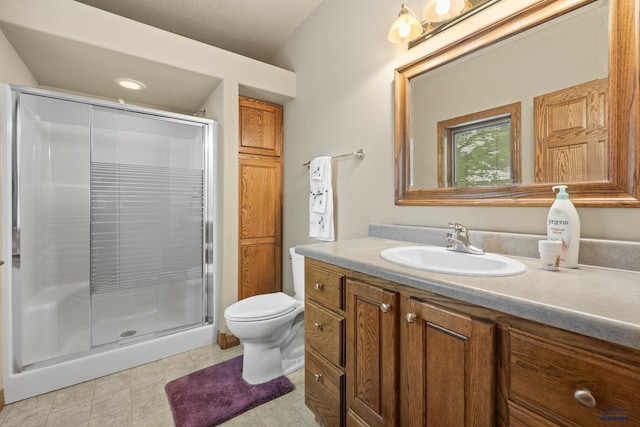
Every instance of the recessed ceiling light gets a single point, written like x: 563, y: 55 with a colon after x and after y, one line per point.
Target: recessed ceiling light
x: 131, y: 84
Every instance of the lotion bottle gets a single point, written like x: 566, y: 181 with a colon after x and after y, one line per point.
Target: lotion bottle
x: 563, y: 224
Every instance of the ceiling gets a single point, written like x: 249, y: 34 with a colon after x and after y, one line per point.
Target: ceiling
x: 251, y: 28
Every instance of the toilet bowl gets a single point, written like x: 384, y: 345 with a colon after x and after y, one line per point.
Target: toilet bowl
x: 271, y: 328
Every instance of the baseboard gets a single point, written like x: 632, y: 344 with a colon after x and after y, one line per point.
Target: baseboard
x: 226, y: 341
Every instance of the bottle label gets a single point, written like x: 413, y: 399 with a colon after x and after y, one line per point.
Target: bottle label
x: 559, y: 228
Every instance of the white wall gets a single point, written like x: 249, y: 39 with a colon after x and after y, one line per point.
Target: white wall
x: 12, y: 69
x: 344, y: 66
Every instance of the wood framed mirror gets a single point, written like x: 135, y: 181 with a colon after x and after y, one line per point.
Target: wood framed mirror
x: 617, y: 185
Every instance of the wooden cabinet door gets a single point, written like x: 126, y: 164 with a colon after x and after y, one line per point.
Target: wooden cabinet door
x: 449, y: 367
x: 372, y: 347
x: 571, y: 134
x: 260, y: 199
x: 260, y: 127
x: 260, y: 250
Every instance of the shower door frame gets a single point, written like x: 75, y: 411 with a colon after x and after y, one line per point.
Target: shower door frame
x: 19, y: 384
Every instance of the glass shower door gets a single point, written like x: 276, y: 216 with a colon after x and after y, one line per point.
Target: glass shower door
x: 147, y: 229
x: 50, y: 225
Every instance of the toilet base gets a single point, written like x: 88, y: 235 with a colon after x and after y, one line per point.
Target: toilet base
x: 262, y: 362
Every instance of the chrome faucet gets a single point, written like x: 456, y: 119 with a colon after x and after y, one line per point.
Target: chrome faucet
x: 459, y: 240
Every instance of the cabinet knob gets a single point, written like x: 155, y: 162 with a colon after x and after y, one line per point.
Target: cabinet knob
x: 318, y: 326
x: 318, y: 286
x: 317, y: 377
x: 385, y: 308
x: 411, y: 317
x: 585, y: 398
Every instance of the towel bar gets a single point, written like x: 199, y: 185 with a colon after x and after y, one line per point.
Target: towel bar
x: 359, y: 154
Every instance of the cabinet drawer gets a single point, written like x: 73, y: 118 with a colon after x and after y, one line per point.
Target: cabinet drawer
x: 324, y: 332
x: 545, y: 376
x: 324, y: 286
x: 520, y: 417
x: 324, y: 390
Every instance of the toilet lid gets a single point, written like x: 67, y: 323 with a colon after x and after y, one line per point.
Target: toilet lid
x: 261, y: 307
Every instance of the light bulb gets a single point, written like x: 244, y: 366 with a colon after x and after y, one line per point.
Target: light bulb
x: 443, y: 7
x: 131, y: 84
x: 443, y: 10
x: 404, y: 29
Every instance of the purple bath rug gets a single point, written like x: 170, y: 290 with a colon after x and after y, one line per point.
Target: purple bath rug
x: 218, y: 393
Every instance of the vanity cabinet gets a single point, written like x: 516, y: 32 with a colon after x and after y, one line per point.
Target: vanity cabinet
x: 569, y: 385
x: 324, y: 320
x: 409, y: 357
x: 405, y: 360
x: 372, y: 354
x: 450, y: 367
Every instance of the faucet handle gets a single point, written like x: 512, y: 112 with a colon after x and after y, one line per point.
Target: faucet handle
x: 458, y: 227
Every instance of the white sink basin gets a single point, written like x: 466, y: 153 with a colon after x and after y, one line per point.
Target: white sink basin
x: 440, y: 260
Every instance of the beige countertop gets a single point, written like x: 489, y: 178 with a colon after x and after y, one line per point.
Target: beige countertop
x: 595, y: 301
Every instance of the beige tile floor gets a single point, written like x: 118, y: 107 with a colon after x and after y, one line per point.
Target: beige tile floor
x: 136, y: 397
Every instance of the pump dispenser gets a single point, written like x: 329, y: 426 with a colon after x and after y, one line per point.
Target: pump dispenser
x: 563, y: 223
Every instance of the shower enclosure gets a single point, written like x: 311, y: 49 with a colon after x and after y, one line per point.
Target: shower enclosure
x: 108, y: 214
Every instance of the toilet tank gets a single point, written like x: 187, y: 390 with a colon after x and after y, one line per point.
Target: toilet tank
x: 297, y: 266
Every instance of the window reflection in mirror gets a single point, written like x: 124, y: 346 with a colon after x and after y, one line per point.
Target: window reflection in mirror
x: 480, y: 149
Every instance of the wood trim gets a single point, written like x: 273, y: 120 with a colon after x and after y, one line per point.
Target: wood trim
x: 226, y: 340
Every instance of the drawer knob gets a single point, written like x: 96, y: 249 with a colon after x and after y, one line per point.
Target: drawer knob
x: 385, y: 307
x: 585, y: 398
x: 318, y: 286
x: 318, y: 326
x: 411, y: 317
x: 317, y: 377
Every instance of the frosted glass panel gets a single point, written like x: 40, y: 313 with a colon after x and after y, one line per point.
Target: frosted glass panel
x: 53, y: 161
x: 147, y: 202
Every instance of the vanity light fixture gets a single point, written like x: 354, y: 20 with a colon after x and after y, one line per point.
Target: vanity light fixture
x: 131, y: 84
x: 438, y: 15
x: 443, y: 10
x: 406, y: 27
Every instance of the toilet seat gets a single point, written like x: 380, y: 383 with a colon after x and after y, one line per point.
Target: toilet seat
x: 261, y: 307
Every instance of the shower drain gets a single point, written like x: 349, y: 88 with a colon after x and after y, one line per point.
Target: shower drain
x: 127, y: 334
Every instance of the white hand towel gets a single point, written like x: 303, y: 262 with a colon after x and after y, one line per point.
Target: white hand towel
x: 321, y: 199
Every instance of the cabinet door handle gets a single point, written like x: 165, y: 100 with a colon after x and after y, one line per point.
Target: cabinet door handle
x: 585, y: 398
x: 317, y: 377
x: 318, y: 286
x: 411, y: 317
x: 318, y: 326
x: 385, y: 307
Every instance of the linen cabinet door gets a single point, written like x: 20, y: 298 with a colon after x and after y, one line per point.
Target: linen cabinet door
x: 372, y: 347
x: 450, y: 367
x: 259, y: 198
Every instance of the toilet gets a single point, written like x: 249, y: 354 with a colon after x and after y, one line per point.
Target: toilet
x: 271, y: 328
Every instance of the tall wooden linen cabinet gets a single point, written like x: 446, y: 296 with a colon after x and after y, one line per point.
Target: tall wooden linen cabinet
x: 260, y: 198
